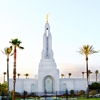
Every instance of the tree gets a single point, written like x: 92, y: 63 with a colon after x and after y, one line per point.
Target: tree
x: 4, y: 73
x: 16, y: 44
x: 87, y: 50
x: 83, y: 74
x: 62, y: 75
x: 7, y: 51
x: 89, y: 72
x: 3, y: 87
x: 69, y: 74
x: 0, y: 87
x: 26, y: 75
x: 18, y: 75
x: 96, y: 73
x: 95, y: 86
x: 72, y: 92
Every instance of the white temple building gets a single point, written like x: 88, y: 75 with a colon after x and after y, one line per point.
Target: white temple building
x: 48, y: 78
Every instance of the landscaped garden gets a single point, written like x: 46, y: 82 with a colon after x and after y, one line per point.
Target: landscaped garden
x: 94, y: 94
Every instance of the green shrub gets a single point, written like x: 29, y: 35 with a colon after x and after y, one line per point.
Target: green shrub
x: 32, y: 94
x: 95, y: 86
x: 71, y: 92
x: 25, y: 93
x: 16, y: 93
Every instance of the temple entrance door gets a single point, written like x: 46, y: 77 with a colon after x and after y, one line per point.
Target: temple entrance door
x: 48, y: 85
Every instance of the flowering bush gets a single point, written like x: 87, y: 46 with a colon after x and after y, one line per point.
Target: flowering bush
x: 81, y: 92
x: 93, y: 92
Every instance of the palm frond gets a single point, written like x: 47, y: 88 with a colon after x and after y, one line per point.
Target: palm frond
x: 16, y: 42
x: 89, y: 72
x: 18, y: 74
x: 19, y: 42
x: 9, y: 50
x: 5, y: 51
x: 80, y: 50
x: 11, y: 54
x: 26, y: 74
x: 4, y: 73
x: 83, y: 72
x: 20, y: 47
x: 10, y: 42
x: 11, y: 47
x: 87, y: 49
x: 70, y: 74
x: 96, y: 72
x: 2, y: 52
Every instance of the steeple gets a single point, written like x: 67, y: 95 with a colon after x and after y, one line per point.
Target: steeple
x: 47, y: 66
x: 47, y: 61
x: 47, y: 43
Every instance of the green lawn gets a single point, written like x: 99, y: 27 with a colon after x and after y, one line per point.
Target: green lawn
x: 72, y: 99
x: 88, y: 99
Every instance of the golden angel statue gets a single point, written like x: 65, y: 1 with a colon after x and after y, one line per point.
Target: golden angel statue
x: 47, y: 17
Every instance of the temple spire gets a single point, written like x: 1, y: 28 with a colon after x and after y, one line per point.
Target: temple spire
x: 47, y: 52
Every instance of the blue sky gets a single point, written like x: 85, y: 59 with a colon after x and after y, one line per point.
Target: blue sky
x: 73, y: 23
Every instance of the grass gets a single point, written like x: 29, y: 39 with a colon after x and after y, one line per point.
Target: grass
x: 88, y: 99
x: 71, y: 99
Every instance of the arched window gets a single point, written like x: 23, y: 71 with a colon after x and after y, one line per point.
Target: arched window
x: 32, y: 88
x: 64, y: 87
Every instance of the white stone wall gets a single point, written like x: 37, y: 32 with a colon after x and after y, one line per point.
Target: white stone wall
x: 23, y: 84
x: 73, y: 84
x: 47, y: 64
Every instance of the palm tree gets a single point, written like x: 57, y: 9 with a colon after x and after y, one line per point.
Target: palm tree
x: 26, y: 75
x: 69, y: 74
x: 7, y: 51
x: 89, y: 72
x: 15, y: 43
x: 87, y: 50
x: 4, y: 73
x: 18, y: 75
x: 62, y: 75
x: 83, y: 74
x: 96, y: 73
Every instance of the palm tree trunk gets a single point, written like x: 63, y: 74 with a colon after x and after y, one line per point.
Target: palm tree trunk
x: 88, y: 77
x: 96, y: 77
x: 14, y: 73
x: 8, y: 77
x: 87, y: 89
x: 82, y: 75
x: 4, y: 78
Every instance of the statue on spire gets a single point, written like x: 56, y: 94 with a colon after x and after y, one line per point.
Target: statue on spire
x: 47, y: 18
